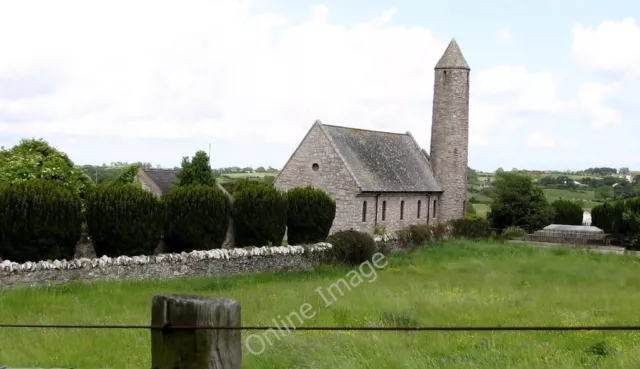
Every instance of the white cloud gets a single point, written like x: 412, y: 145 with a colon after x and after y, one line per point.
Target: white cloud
x: 222, y: 70
x: 541, y: 140
x: 611, y: 46
x: 504, y: 36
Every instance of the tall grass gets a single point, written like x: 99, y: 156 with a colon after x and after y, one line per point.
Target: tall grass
x: 456, y: 283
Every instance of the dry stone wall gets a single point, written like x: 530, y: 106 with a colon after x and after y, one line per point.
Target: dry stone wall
x: 217, y: 262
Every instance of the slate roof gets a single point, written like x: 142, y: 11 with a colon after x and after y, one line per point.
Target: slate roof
x: 383, y: 161
x: 163, y: 178
x: 452, y: 58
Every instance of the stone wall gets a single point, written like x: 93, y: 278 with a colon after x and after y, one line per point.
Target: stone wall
x: 217, y: 262
x: 391, y: 206
x: 330, y: 175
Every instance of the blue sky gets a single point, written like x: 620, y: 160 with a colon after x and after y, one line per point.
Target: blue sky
x: 552, y: 82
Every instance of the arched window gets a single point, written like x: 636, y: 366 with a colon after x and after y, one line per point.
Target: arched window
x: 434, y: 208
x: 384, y: 210
x: 444, y: 76
x: 364, y: 211
x: 401, y: 209
x: 419, y: 206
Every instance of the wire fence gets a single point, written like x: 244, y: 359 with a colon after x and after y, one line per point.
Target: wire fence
x: 170, y: 327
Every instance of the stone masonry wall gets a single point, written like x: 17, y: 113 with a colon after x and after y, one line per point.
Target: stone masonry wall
x: 218, y: 262
x: 450, y: 139
x: 392, y: 221
x: 331, y: 176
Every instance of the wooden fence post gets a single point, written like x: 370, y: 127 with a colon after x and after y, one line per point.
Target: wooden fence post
x: 195, y: 349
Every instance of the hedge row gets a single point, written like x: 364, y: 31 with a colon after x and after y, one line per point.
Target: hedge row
x: 42, y: 220
x: 620, y: 218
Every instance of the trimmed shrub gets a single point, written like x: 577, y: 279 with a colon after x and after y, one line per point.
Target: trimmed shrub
x: 417, y: 235
x: 352, y: 247
x: 567, y: 212
x: 39, y: 220
x: 510, y: 233
x: 471, y: 227
x: 124, y: 220
x: 259, y: 214
x: 197, y: 218
x: 310, y: 215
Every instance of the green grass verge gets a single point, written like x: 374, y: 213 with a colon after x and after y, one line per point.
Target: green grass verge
x: 456, y: 283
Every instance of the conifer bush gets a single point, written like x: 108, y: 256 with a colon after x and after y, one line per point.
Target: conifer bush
x: 197, y: 218
x: 310, y: 215
x: 259, y: 214
x: 352, y: 247
x: 567, y: 212
x: 39, y: 220
x: 124, y: 220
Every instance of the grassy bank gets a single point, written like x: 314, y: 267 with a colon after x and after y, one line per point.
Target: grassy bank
x: 457, y: 283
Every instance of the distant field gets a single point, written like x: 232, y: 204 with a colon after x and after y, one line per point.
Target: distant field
x: 586, y: 198
x: 481, y: 209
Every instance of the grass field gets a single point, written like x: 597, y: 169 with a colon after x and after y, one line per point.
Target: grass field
x: 585, y: 197
x: 454, y: 284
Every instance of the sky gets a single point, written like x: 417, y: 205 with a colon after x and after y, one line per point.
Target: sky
x: 552, y: 82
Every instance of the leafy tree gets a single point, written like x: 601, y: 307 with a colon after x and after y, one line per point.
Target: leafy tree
x: 519, y: 202
x: 472, y: 177
x: 604, y: 193
x: 636, y: 179
x: 260, y: 170
x: 623, y: 171
x: 567, y: 212
x: 127, y: 175
x: 499, y: 170
x: 196, y: 171
x: 36, y: 159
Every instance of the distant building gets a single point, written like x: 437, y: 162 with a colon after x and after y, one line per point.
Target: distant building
x: 157, y: 181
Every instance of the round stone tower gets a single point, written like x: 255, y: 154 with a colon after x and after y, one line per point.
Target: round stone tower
x: 450, y: 132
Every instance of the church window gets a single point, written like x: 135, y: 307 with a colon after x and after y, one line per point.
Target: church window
x: 384, y: 210
x: 444, y: 76
x: 401, y: 209
x: 419, y: 206
x: 464, y: 207
x: 434, y: 208
x: 315, y: 167
x: 364, y: 211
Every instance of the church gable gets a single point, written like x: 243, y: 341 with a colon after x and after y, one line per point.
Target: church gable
x: 316, y: 163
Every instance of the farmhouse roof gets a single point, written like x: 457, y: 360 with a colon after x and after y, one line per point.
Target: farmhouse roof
x: 383, y: 161
x: 452, y: 58
x: 163, y: 178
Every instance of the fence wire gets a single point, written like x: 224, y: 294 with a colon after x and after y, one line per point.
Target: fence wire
x: 169, y: 327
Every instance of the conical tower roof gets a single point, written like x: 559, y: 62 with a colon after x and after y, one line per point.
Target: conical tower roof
x: 452, y: 58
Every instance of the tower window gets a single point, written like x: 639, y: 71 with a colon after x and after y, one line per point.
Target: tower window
x: 444, y: 76
x: 401, y: 209
x: 419, y: 206
x: 364, y: 211
x: 384, y: 210
x: 434, y: 208
x: 315, y: 167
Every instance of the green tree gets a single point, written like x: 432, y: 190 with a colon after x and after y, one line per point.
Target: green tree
x: 519, y: 202
x: 567, y: 212
x: 196, y: 171
x: 636, y: 179
x: 36, y: 159
x: 604, y: 193
x: 472, y: 177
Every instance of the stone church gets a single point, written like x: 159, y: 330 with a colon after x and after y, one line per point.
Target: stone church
x: 383, y: 179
